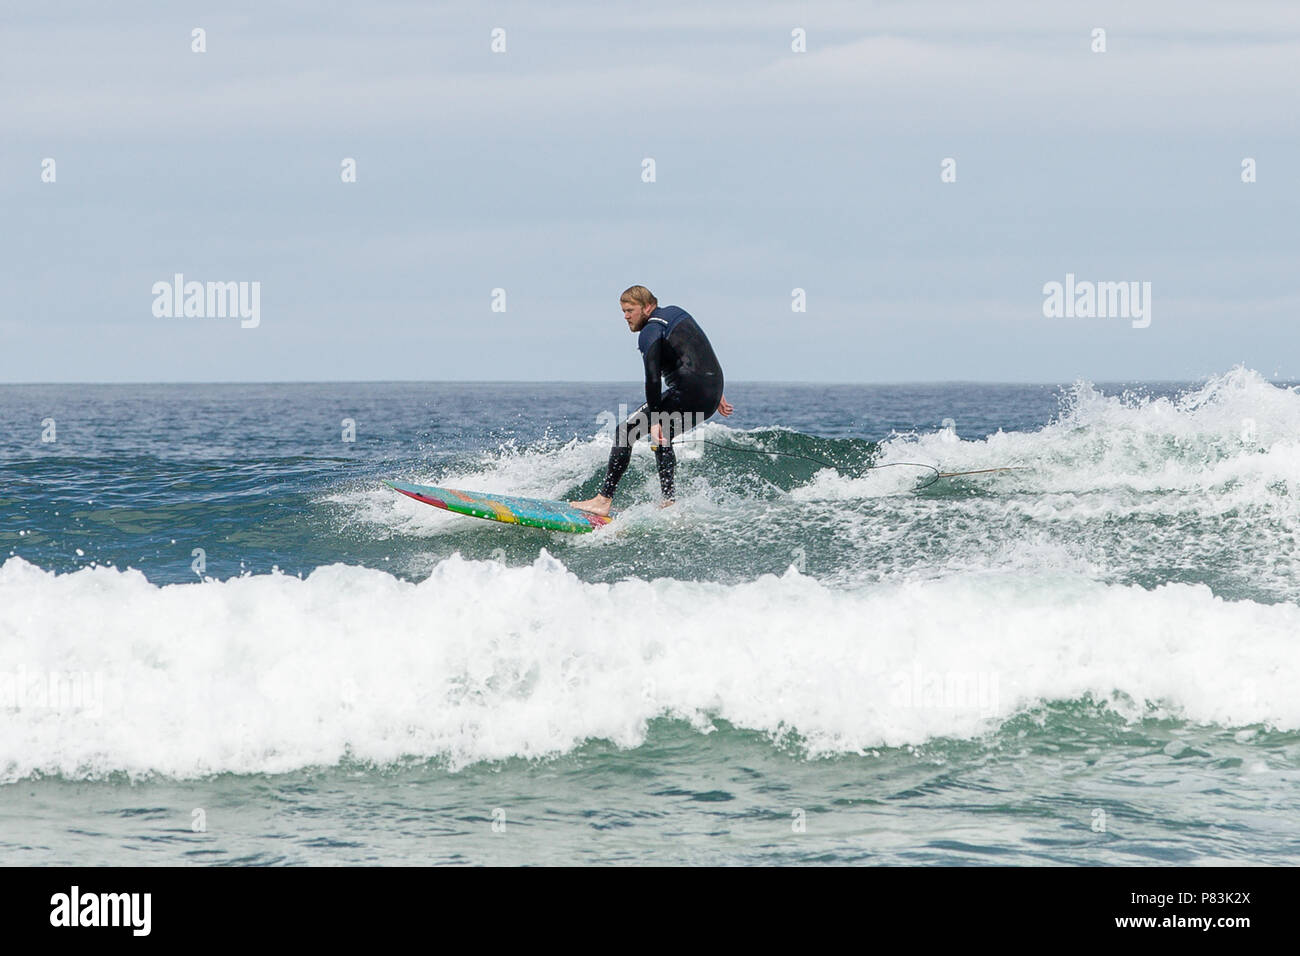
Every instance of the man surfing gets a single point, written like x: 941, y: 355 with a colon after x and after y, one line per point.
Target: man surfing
x: 672, y: 346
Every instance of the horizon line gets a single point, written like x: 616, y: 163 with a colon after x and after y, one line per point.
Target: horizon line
x: 504, y: 381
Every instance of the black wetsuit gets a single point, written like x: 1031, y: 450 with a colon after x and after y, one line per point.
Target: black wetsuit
x: 676, y: 348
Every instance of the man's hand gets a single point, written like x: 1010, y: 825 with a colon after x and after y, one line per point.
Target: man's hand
x: 725, y: 407
x: 657, y: 434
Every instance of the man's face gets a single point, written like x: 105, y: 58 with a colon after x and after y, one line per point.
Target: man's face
x: 637, y: 315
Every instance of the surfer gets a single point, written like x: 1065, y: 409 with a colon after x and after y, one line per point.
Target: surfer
x: 672, y: 346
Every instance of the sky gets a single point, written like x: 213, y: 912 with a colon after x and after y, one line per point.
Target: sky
x: 523, y: 170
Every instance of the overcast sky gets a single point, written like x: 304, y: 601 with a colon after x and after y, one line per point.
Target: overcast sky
x: 522, y: 170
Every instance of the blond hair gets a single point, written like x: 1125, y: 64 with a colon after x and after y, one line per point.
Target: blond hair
x: 639, y: 295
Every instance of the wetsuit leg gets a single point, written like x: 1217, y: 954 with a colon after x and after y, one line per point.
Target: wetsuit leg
x: 675, y: 417
x: 625, y: 436
x: 675, y: 421
x: 666, y: 461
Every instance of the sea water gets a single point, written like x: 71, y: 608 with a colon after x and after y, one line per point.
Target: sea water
x: 224, y: 641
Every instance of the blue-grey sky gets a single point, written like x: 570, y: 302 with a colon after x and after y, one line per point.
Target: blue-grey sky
x: 775, y: 170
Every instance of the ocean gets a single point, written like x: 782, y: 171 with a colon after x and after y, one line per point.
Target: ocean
x: 224, y: 641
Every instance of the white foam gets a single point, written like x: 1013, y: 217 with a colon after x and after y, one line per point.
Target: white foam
x: 1232, y: 443
x: 480, y: 662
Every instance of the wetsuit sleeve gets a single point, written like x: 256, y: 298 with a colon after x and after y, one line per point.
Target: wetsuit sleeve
x: 653, y: 373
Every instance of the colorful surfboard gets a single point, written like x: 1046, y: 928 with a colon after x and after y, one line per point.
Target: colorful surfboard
x: 533, y: 512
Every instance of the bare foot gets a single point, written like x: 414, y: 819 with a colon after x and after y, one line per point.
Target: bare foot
x: 665, y: 504
x: 598, y: 505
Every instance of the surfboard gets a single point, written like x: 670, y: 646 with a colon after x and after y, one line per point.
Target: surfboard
x: 532, y: 512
